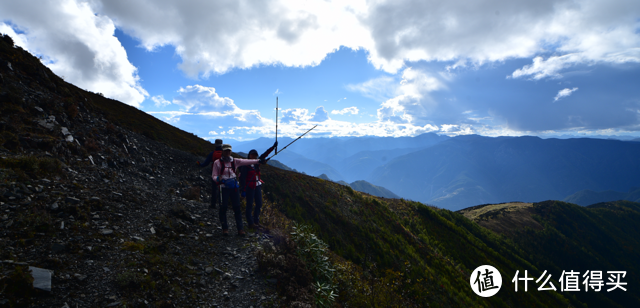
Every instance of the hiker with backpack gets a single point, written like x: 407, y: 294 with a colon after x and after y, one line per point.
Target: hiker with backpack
x: 251, y: 187
x: 211, y: 158
x: 224, y: 173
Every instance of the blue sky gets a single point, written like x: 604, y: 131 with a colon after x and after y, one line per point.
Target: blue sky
x: 355, y: 68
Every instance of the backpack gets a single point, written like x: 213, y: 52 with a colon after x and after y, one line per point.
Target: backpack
x: 248, y: 175
x: 223, y: 167
x: 215, y: 155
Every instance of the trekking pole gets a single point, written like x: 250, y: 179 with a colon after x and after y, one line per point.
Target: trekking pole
x: 292, y: 142
x: 276, y: 124
x: 220, y: 193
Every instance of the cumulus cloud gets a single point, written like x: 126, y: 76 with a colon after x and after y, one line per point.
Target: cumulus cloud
x: 288, y: 32
x: 320, y: 115
x: 297, y: 116
x: 564, y: 93
x: 196, y: 101
x: 351, y: 110
x: 198, y: 98
x: 77, y: 44
x: 488, y: 31
x: 294, y: 115
x: 79, y: 35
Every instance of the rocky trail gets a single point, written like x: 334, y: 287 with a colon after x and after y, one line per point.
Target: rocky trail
x: 128, y: 224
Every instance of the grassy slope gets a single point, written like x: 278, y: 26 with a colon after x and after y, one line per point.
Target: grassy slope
x: 371, y: 189
x: 604, y: 236
x: 440, y: 247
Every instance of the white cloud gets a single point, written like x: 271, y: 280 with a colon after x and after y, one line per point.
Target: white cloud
x: 159, y: 101
x: 320, y: 115
x: 351, y: 110
x: 78, y: 35
x: 200, y: 101
x: 77, y: 44
x: 288, y: 32
x: 591, y: 32
x: 412, y: 103
x: 564, y: 93
x: 488, y: 31
x: 379, y: 89
x: 294, y: 115
x: 198, y: 98
x: 19, y: 39
x: 333, y: 128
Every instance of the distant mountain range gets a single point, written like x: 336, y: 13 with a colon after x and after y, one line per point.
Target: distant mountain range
x: 589, y: 197
x: 466, y: 170
x: 371, y: 189
x: 365, y: 187
x: 348, y: 159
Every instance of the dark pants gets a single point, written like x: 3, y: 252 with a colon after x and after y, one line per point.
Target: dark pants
x: 230, y: 193
x: 215, y: 194
x: 254, y: 194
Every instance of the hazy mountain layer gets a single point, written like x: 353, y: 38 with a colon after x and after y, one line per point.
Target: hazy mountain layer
x: 349, y: 159
x: 588, y: 197
x: 468, y: 170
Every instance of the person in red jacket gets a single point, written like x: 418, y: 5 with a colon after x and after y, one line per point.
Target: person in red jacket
x: 224, y: 173
x: 211, y: 158
x: 251, y: 187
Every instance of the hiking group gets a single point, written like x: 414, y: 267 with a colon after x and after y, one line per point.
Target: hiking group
x: 227, y: 186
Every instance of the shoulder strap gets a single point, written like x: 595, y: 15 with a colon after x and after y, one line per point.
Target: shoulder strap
x: 223, y: 166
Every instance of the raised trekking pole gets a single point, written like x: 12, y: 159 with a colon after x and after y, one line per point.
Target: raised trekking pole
x: 276, y: 124
x: 291, y: 142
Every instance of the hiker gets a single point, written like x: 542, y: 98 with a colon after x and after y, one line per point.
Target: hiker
x: 251, y: 186
x: 211, y: 158
x: 224, y: 173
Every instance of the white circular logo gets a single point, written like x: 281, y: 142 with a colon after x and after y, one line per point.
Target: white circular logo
x: 485, y: 280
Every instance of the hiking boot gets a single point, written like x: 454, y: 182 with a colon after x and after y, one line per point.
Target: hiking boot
x: 241, y: 233
x: 225, y: 232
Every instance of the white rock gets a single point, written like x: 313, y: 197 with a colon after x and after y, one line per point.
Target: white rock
x: 41, y: 278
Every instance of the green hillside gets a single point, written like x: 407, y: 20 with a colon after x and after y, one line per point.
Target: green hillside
x: 371, y: 189
x: 601, y: 237
x: 436, y: 249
